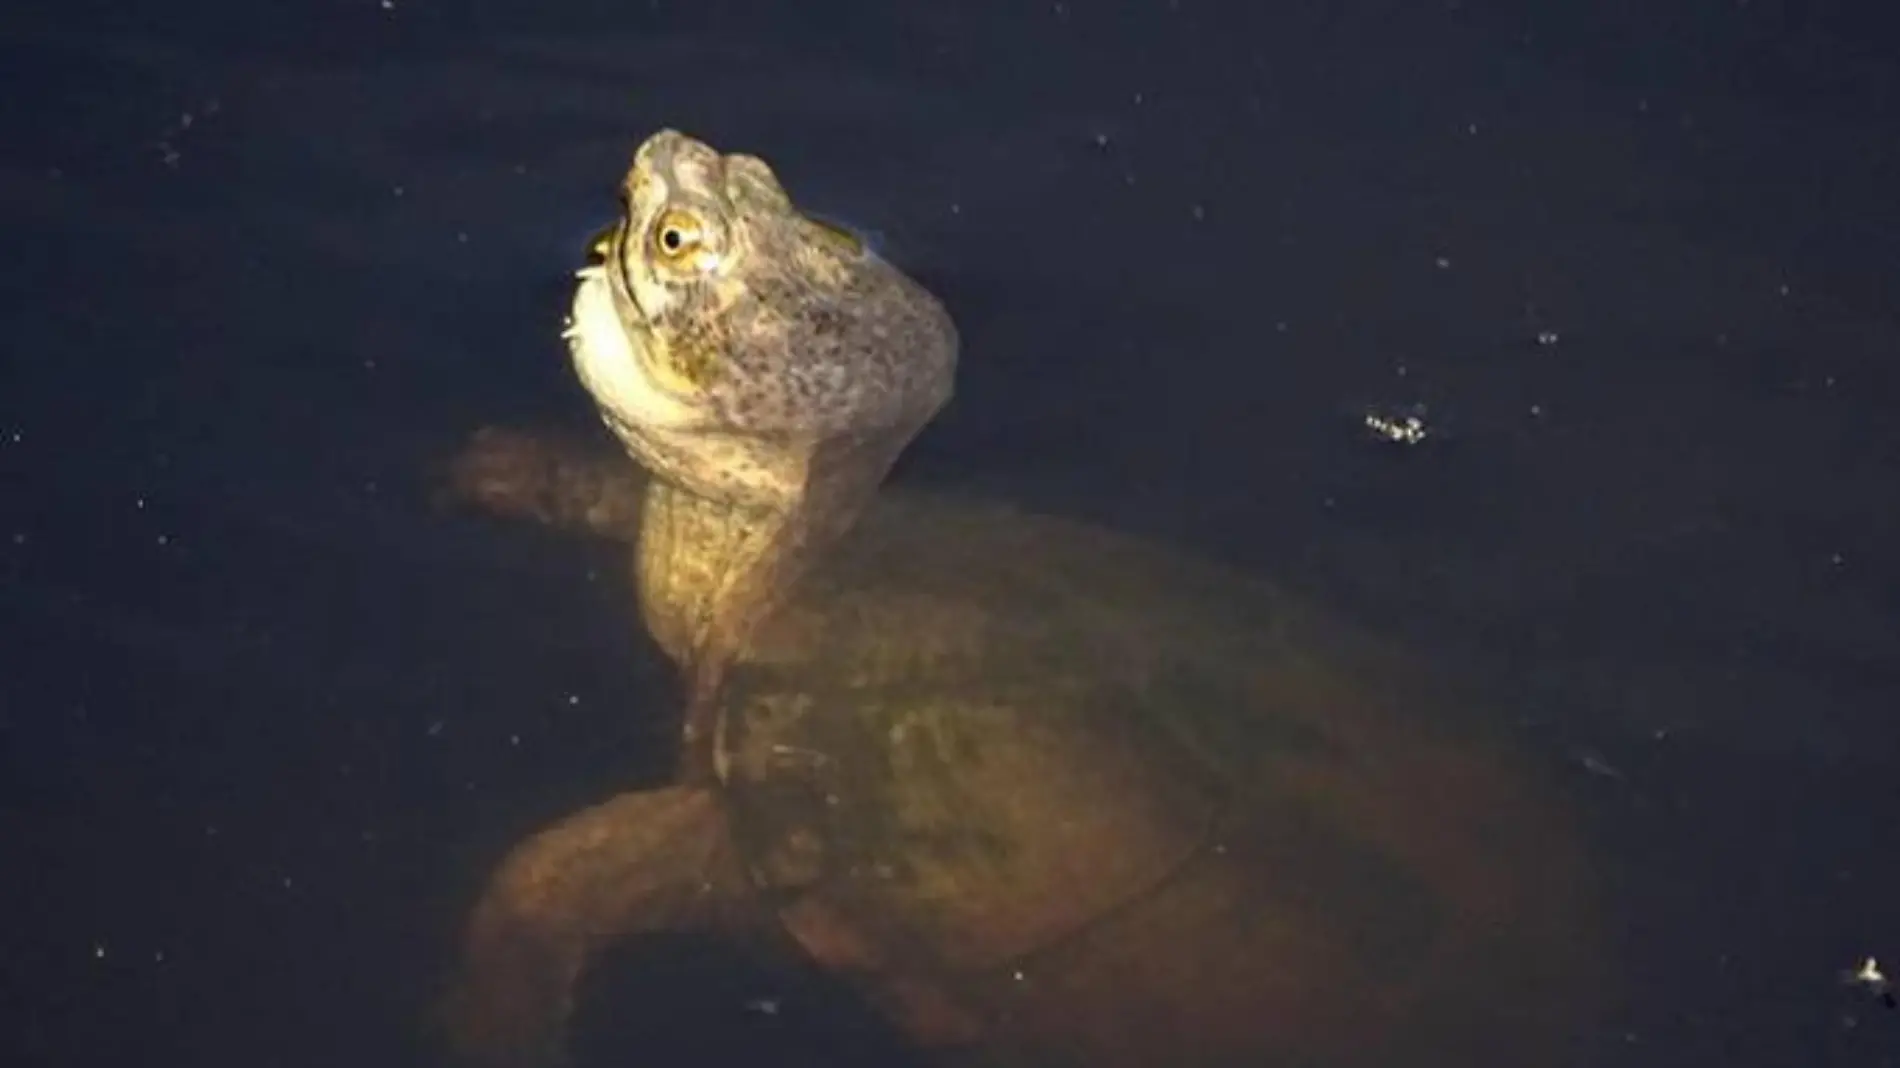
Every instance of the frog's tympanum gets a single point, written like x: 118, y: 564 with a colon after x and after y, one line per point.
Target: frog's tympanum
x: 1044, y: 794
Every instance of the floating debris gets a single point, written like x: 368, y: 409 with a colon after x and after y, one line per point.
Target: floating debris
x: 1399, y: 426
x: 1870, y: 978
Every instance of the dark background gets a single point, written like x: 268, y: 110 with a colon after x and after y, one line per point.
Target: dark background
x: 266, y: 716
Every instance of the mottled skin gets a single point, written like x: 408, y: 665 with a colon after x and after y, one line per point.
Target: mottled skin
x: 1044, y: 795
x: 768, y: 369
x: 1050, y: 797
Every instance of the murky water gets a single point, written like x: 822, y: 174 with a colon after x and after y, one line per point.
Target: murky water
x: 268, y: 714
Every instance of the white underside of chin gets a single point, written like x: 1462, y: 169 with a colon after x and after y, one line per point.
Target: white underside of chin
x: 660, y: 429
x: 612, y: 371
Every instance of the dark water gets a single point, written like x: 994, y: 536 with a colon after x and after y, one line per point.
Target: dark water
x: 265, y: 715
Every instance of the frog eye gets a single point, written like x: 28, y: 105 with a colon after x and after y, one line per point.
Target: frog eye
x: 677, y: 235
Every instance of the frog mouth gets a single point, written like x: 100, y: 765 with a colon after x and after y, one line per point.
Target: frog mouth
x: 606, y: 254
x: 609, y: 275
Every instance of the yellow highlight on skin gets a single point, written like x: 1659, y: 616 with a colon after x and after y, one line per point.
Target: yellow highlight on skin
x: 601, y: 245
x: 846, y: 240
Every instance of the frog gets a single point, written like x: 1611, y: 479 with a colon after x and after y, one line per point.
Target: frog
x: 1043, y: 794
x: 767, y: 368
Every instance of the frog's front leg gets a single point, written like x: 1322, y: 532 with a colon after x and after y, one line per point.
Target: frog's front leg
x: 547, y: 479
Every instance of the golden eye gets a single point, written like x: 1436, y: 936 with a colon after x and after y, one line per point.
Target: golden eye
x: 677, y: 234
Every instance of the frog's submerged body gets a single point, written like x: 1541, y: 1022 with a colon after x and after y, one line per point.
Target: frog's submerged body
x: 1046, y: 795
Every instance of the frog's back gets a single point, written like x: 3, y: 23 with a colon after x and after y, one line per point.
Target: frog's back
x: 1139, y: 806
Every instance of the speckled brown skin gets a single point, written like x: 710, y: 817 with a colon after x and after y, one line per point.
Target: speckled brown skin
x: 1049, y: 796
x: 768, y: 369
x: 1046, y: 796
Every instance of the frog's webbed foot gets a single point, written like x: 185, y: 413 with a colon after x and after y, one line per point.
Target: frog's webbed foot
x: 558, y: 483
x: 657, y: 860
